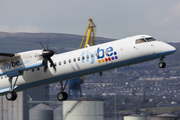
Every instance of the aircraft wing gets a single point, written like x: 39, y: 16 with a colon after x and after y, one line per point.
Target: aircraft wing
x: 7, y: 56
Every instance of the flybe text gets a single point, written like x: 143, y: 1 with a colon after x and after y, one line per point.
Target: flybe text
x: 9, y: 65
x: 103, y: 55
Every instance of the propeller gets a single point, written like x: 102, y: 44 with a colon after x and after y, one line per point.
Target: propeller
x: 47, y: 54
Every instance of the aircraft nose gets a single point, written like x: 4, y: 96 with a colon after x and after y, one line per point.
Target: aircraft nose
x: 171, y: 49
x: 167, y: 49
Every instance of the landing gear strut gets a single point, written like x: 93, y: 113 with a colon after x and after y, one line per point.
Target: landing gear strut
x: 61, y: 96
x: 162, y: 64
x: 11, y: 95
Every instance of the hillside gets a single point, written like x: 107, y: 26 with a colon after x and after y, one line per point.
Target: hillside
x: 17, y: 42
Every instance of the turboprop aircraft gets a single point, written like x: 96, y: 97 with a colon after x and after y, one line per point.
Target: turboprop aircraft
x: 34, y: 68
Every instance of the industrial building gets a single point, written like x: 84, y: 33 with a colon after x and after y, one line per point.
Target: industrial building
x: 19, y: 109
x: 41, y: 112
x: 76, y: 110
x: 83, y: 110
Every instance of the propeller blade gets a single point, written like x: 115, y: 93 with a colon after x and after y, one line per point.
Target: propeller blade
x: 47, y: 43
x: 50, y: 60
x: 47, y: 54
x: 45, y: 65
x: 42, y: 46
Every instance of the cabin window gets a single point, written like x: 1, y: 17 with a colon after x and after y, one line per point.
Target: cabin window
x: 140, y: 41
x: 5, y: 76
x: 96, y: 54
x: 74, y: 59
x: 64, y: 61
x: 60, y: 63
x: 21, y: 72
x: 87, y: 56
x: 69, y: 60
x: 78, y: 58
x: 32, y: 70
x: 1, y: 77
x: 38, y: 69
x: 83, y: 57
x: 92, y: 55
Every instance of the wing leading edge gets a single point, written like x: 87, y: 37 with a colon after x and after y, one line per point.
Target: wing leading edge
x: 8, y: 56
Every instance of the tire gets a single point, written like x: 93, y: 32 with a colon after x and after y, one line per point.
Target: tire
x: 15, y: 95
x: 11, y: 96
x: 62, y: 96
x: 162, y: 64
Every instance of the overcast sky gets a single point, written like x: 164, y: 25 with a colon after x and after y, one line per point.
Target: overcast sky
x: 113, y: 18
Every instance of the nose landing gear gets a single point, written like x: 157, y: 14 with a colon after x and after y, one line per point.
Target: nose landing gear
x: 162, y: 64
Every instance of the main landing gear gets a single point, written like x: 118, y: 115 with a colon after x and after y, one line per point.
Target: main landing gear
x: 11, y: 95
x: 61, y: 96
x: 162, y: 64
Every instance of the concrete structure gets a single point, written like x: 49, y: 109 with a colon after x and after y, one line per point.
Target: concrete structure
x: 19, y: 109
x: 41, y: 112
x: 83, y: 110
x: 58, y: 113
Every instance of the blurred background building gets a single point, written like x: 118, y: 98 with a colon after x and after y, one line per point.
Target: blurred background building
x: 19, y: 109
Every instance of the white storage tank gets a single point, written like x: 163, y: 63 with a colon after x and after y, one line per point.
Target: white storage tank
x: 137, y: 117
x: 41, y: 112
x: 58, y: 113
x: 83, y: 110
x: 165, y: 117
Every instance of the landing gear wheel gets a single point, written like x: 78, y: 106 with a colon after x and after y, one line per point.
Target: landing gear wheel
x: 11, y: 96
x: 162, y: 64
x: 62, y: 96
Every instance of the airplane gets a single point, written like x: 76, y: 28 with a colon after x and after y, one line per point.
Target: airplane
x: 34, y: 68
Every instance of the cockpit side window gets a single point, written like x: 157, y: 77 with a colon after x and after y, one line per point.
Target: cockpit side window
x: 150, y: 39
x: 140, y: 41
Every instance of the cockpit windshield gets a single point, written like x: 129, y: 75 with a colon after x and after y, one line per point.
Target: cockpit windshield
x: 150, y: 39
x: 142, y: 40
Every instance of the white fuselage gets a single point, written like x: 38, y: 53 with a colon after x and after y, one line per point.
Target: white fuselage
x: 80, y: 62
